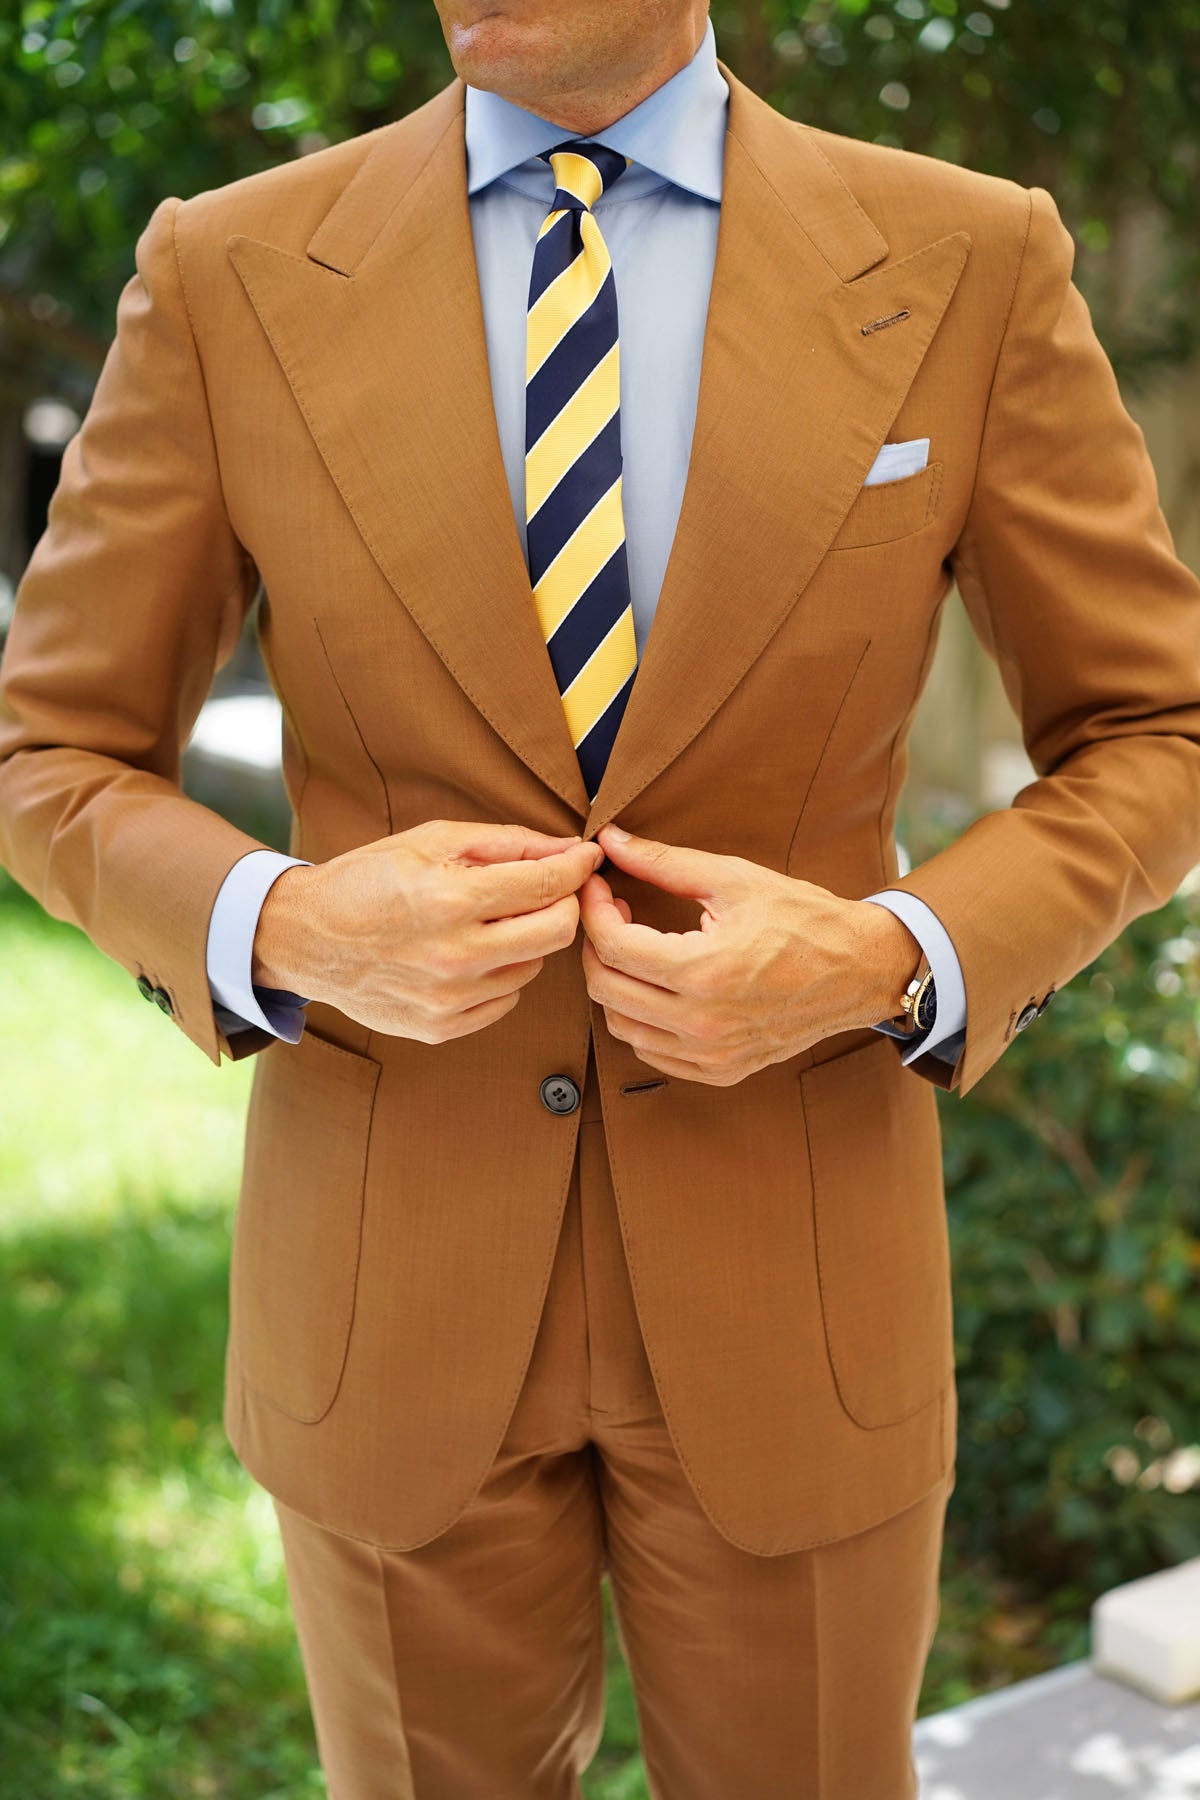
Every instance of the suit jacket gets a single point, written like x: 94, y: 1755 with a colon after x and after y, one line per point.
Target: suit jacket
x: 298, y: 395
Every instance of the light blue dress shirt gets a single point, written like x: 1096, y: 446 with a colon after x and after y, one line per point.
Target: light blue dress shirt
x: 660, y: 225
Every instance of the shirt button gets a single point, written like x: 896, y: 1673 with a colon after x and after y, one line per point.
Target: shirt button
x: 559, y: 1094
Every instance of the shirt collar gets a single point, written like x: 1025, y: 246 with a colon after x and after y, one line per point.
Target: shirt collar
x: 677, y: 132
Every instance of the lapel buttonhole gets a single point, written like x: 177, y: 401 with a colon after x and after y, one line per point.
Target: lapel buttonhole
x: 881, y: 324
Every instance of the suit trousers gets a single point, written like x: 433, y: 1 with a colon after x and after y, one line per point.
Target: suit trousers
x: 472, y: 1667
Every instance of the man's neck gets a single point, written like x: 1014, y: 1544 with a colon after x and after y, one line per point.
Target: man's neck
x: 589, y: 110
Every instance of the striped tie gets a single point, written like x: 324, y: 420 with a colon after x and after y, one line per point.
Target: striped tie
x: 576, y: 531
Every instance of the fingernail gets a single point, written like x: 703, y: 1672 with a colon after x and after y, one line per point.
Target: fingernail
x: 617, y: 832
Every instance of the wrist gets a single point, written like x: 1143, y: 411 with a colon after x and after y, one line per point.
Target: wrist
x: 890, y: 959
x: 277, y: 957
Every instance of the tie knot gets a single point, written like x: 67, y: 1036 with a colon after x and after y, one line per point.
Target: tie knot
x: 582, y: 172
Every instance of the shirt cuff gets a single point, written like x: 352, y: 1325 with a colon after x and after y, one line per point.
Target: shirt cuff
x: 237, y: 1003
x: 945, y: 1038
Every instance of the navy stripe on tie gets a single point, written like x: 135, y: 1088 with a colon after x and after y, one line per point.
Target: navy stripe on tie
x: 611, y: 163
x: 594, y: 751
x: 554, y: 253
x: 590, y: 619
x: 571, y: 500
x: 571, y: 361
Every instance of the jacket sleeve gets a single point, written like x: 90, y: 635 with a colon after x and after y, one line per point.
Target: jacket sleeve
x: 1069, y: 575
x: 135, y: 594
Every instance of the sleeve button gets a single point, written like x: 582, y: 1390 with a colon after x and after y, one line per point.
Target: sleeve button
x: 1026, y: 1016
x: 163, y: 1000
x: 145, y: 987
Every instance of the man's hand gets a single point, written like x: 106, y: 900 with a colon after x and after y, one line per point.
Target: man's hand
x: 428, y: 934
x: 775, y: 964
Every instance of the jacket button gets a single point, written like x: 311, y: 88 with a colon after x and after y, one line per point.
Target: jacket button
x: 559, y: 1094
x: 1026, y: 1016
x: 1050, y: 992
x: 163, y: 999
x: 145, y: 987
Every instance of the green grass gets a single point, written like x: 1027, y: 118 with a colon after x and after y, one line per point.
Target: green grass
x: 147, y: 1646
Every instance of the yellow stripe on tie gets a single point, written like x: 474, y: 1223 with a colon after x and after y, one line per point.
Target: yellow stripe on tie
x: 566, y: 299
x: 577, y: 175
x: 568, y: 435
x: 601, y: 679
x: 580, y: 560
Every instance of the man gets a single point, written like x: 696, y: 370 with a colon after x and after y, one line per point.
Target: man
x: 595, y: 1220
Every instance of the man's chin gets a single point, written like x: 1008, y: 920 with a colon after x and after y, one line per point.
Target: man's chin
x: 504, y: 56
x: 495, y: 52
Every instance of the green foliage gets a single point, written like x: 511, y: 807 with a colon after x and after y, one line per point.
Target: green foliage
x: 1073, y: 1194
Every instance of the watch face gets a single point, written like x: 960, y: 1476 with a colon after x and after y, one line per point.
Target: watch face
x: 926, y: 1008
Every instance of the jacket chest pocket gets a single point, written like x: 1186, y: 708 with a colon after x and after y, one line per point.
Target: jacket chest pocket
x: 891, y: 509
x: 882, y: 1244
x: 298, y: 1227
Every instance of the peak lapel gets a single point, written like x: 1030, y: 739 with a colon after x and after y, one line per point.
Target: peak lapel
x: 379, y: 331
x: 794, y: 402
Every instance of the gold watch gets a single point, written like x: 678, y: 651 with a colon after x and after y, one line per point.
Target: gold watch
x: 918, y: 1003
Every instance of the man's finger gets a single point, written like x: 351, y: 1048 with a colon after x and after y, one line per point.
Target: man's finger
x: 657, y: 956
x: 643, y: 1000
x: 526, y: 935
x: 484, y: 843
x: 696, y: 874
x: 501, y: 890
x: 674, y: 1066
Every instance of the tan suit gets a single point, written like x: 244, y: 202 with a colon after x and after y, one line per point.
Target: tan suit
x: 299, y: 393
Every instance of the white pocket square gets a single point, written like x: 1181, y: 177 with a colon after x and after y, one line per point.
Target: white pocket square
x: 897, y: 460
